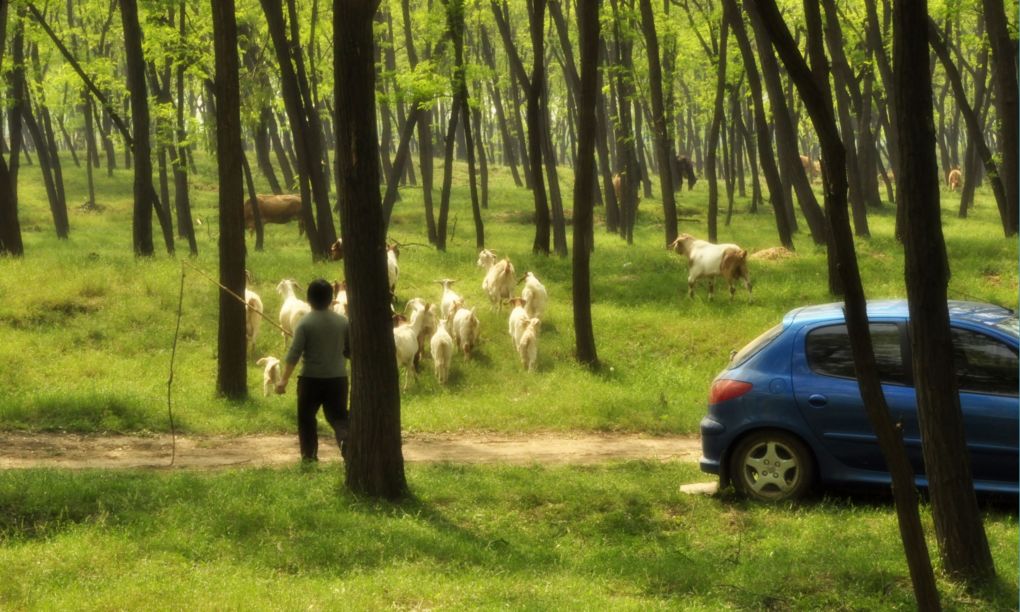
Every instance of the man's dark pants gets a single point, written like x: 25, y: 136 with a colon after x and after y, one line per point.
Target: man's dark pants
x: 331, y: 395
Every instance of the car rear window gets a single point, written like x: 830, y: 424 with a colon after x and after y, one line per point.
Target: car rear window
x: 983, y: 364
x: 755, y: 345
x: 828, y: 352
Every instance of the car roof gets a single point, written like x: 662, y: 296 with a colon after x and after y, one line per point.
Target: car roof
x: 973, y: 312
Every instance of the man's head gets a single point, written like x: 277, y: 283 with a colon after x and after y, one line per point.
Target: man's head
x: 320, y: 294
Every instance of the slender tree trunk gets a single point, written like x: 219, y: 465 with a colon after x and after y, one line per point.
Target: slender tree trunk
x: 584, y: 182
x: 765, y: 157
x: 535, y: 113
x: 713, y: 136
x: 1004, y: 77
x: 814, y: 90
x: 374, y: 464
x: 282, y: 158
x: 10, y: 228
x: 146, y: 199
x: 232, y: 371
x: 182, y: 199
x: 662, y: 142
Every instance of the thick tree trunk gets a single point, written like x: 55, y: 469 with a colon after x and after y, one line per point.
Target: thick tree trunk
x: 232, y: 371
x: 535, y: 113
x: 814, y: 89
x: 958, y: 528
x: 584, y: 183
x: 10, y: 228
x: 374, y: 464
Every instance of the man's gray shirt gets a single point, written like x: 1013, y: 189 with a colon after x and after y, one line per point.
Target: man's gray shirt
x: 321, y: 337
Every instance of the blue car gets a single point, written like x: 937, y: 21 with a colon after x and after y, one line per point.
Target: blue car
x: 786, y: 413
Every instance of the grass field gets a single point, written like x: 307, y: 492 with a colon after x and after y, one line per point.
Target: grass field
x: 607, y: 537
x: 85, y: 337
x: 87, y: 329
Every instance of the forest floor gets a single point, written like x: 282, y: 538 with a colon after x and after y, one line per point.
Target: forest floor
x: 73, y: 451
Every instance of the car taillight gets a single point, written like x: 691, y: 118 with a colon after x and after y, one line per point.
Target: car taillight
x: 725, y: 389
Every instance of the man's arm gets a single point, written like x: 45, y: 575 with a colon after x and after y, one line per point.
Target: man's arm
x: 288, y: 369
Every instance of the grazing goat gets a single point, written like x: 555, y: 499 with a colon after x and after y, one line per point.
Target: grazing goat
x: 405, y: 340
x: 450, y: 298
x: 292, y: 309
x: 499, y: 279
x: 252, y: 318
x: 466, y: 329
x: 392, y: 268
x: 270, y: 375
x: 339, y: 304
x: 518, y: 317
x: 534, y: 294
x: 710, y: 260
x: 527, y: 346
x: 336, y: 250
x: 954, y: 179
x: 430, y: 316
x: 442, y: 352
x: 274, y: 209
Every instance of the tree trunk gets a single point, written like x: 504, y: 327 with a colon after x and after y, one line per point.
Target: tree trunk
x: 713, y: 136
x: 232, y: 371
x: 374, y: 464
x: 145, y: 194
x: 10, y: 228
x: 662, y: 143
x: 957, y: 518
x: 584, y: 182
x: 282, y: 157
x: 535, y: 126
x: 786, y: 137
x: 1004, y: 69
x: 444, y: 197
x: 813, y: 86
x: 765, y: 157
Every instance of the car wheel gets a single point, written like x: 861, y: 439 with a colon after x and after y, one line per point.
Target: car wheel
x: 772, y: 466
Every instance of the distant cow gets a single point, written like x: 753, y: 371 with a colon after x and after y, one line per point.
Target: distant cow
x: 683, y: 168
x: 275, y: 209
x: 954, y: 179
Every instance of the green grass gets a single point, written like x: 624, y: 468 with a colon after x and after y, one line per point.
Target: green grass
x: 86, y: 329
x: 617, y: 536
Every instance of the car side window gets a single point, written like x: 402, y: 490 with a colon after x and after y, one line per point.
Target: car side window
x: 983, y: 364
x: 828, y: 352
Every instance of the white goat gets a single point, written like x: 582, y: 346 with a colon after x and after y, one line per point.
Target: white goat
x: 252, y: 319
x: 707, y: 260
x: 535, y: 296
x: 527, y: 346
x: 392, y: 267
x: 442, y: 352
x: 292, y: 309
x: 518, y: 317
x: 499, y: 279
x: 450, y: 298
x: 405, y: 340
x: 430, y: 315
x: 466, y: 329
x: 339, y: 304
x: 270, y: 375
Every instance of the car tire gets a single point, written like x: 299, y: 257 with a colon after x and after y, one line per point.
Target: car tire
x: 772, y: 466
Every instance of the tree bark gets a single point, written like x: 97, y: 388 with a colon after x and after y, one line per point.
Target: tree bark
x: 713, y: 135
x: 958, y: 528
x: 584, y: 182
x: 232, y: 371
x: 1004, y: 69
x: 662, y: 142
x: 765, y: 157
x: 813, y: 85
x: 146, y: 199
x: 535, y: 126
x: 374, y: 464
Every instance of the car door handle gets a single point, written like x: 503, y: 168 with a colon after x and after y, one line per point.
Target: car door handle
x: 817, y: 400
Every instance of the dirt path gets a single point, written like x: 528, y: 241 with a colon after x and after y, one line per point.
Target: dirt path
x: 112, y: 452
